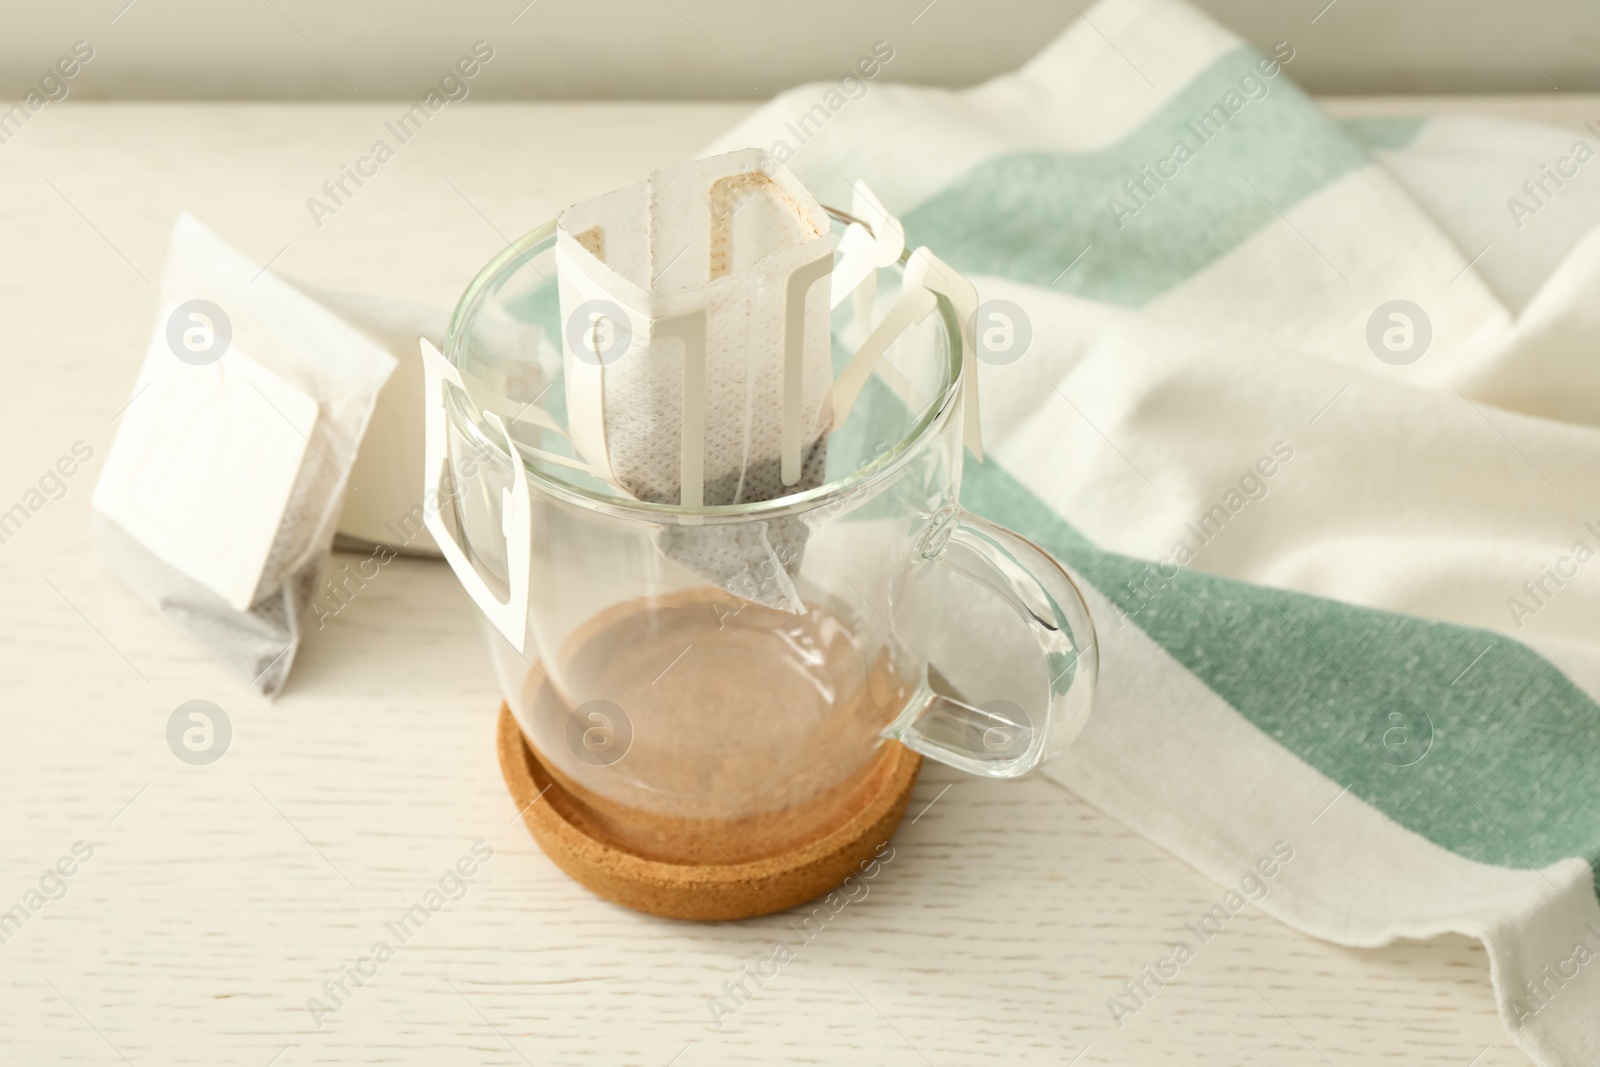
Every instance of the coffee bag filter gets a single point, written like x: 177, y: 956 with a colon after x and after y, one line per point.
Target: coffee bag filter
x: 697, y: 354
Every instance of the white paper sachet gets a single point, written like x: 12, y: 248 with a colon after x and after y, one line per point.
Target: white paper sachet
x: 387, y: 510
x: 697, y: 358
x: 219, y: 497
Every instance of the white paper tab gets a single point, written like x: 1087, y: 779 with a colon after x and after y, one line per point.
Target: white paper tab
x: 203, y: 465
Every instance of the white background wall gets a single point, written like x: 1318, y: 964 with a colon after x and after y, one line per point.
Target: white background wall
x: 369, y: 49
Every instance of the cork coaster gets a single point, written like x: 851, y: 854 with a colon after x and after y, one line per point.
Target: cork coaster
x: 706, y: 891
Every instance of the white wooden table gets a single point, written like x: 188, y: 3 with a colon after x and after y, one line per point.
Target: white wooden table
x: 220, y: 898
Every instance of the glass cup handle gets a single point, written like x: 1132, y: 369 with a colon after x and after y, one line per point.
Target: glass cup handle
x: 999, y: 739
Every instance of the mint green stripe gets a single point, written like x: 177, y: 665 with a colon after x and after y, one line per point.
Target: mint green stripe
x: 1027, y: 216
x: 1385, y: 132
x: 1512, y: 776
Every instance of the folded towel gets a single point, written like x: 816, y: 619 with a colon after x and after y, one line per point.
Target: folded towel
x: 1312, y: 410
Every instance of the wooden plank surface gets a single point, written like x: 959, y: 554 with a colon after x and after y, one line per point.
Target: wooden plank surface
x: 219, y: 899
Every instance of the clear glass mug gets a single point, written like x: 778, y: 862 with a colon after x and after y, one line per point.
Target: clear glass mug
x: 692, y: 721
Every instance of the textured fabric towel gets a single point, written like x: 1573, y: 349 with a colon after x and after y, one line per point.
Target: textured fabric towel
x: 1313, y: 411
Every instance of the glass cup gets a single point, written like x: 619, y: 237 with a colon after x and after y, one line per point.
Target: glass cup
x: 695, y: 715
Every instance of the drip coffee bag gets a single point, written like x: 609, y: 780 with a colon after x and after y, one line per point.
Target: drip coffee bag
x: 697, y: 353
x: 219, y: 497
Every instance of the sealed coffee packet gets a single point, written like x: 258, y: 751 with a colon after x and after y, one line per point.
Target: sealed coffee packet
x: 218, y: 501
x: 697, y: 354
